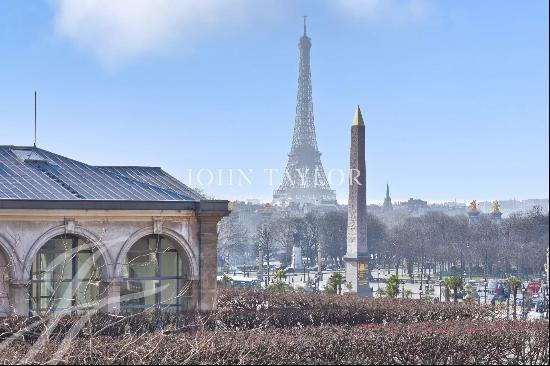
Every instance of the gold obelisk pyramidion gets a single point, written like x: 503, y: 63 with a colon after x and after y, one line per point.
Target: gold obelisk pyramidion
x: 357, y: 268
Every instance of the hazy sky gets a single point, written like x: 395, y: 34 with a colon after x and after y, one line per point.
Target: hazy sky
x: 454, y: 93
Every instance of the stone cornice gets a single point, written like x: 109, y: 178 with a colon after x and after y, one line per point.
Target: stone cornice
x: 115, y: 210
x: 83, y: 215
x: 114, y: 205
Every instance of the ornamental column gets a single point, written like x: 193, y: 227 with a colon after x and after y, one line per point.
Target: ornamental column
x: 19, y: 297
x: 4, y: 287
x: 112, y: 296
x: 208, y: 259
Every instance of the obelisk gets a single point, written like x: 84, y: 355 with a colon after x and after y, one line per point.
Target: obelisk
x: 357, y: 268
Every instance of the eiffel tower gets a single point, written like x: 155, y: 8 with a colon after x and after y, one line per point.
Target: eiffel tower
x: 304, y: 181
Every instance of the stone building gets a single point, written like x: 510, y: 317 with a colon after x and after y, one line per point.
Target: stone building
x: 75, y: 236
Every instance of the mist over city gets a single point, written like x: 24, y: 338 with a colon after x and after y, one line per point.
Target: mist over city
x: 276, y: 182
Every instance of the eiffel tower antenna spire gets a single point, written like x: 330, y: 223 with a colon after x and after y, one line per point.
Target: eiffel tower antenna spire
x: 304, y: 181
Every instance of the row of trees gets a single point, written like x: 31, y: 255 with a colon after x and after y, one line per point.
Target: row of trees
x: 482, y: 246
x: 434, y: 242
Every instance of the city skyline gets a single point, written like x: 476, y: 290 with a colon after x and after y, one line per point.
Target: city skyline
x: 454, y: 103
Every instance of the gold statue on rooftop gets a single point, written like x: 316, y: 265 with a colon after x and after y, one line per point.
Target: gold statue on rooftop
x: 496, y: 206
x: 473, y: 205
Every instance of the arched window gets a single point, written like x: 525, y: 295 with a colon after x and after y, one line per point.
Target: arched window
x: 65, y: 275
x: 155, y: 275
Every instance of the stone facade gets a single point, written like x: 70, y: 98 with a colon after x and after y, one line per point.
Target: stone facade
x: 111, y: 233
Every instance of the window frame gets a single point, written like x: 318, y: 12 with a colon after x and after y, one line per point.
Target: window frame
x: 182, y: 300
x: 36, y: 273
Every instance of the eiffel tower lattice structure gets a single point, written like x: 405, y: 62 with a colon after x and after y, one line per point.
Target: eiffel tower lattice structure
x: 304, y: 180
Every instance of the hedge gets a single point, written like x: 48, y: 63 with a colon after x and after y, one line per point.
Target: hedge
x: 245, y: 310
x: 461, y: 342
x: 282, y: 328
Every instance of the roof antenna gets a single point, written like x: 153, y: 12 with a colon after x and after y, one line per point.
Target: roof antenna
x: 35, y: 118
x: 305, y: 16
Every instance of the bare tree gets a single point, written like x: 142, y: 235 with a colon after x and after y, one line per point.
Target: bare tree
x: 265, y: 243
x: 332, y: 232
x: 233, y: 239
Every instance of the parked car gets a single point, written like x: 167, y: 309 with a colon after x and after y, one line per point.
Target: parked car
x: 536, y: 299
x: 541, y: 307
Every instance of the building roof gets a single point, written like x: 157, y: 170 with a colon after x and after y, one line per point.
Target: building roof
x: 29, y: 173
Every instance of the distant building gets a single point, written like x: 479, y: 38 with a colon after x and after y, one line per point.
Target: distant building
x: 75, y: 236
x: 452, y: 206
x: 508, y: 207
x: 414, y: 206
x: 449, y: 208
x: 418, y: 207
x: 251, y: 215
x: 387, y: 201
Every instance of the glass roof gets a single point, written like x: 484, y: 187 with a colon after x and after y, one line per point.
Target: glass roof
x: 37, y: 174
x: 28, y: 154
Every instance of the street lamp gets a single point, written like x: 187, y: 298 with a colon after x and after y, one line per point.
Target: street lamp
x: 421, y: 274
x: 427, y: 287
x: 403, y: 289
x: 378, y: 277
x: 523, y: 290
x: 545, y: 301
x: 440, y: 280
x: 485, y: 290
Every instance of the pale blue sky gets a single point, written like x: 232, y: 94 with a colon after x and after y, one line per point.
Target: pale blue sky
x: 454, y: 93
